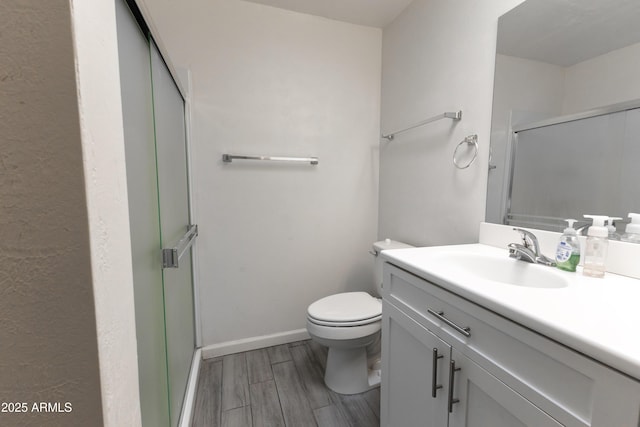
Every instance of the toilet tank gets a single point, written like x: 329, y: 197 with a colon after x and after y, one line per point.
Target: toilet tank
x: 379, y: 262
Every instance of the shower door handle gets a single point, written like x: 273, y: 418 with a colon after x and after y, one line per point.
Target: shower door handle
x: 171, y: 256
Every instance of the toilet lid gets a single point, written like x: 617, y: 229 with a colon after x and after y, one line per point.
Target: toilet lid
x: 346, y: 307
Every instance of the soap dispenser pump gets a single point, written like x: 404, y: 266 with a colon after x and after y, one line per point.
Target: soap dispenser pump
x: 632, y: 231
x: 568, y: 250
x: 611, y: 228
x: 595, y: 252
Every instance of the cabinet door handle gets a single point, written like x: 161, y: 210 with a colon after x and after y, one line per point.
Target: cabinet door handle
x: 452, y: 370
x: 434, y: 373
x: 464, y: 330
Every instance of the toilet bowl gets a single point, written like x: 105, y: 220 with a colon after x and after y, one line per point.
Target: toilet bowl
x: 349, y: 325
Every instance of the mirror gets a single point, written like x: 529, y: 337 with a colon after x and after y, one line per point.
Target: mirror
x: 565, y: 131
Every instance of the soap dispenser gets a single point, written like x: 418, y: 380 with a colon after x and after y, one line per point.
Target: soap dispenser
x: 568, y: 250
x: 595, y: 252
x: 632, y: 231
x: 611, y: 228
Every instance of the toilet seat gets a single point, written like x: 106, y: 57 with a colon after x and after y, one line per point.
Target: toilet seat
x: 343, y: 336
x: 344, y: 324
x: 345, y: 309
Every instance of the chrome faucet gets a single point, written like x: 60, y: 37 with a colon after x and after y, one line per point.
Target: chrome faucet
x: 582, y: 231
x: 529, y: 250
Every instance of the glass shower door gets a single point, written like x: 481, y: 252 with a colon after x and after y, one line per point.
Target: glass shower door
x: 173, y: 195
x: 144, y: 222
x: 158, y: 194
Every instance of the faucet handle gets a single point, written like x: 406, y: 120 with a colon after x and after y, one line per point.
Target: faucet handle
x: 530, y: 249
x: 529, y: 240
x: 521, y: 252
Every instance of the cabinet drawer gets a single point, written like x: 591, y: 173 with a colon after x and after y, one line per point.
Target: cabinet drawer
x: 560, y: 381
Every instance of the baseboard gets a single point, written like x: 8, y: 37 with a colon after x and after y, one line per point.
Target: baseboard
x: 189, y: 403
x: 253, y: 343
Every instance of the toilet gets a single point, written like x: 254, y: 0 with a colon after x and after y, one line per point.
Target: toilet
x: 349, y: 325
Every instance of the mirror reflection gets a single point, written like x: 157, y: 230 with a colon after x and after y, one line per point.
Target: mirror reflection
x: 565, y: 132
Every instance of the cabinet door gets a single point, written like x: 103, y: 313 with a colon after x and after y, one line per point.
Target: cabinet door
x: 483, y: 400
x: 408, y: 355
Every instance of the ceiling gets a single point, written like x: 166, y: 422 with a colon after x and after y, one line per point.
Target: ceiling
x: 373, y: 13
x: 566, y: 32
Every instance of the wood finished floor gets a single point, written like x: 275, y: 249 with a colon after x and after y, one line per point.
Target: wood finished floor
x: 279, y: 386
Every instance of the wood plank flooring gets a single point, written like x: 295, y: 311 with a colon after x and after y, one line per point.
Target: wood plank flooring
x: 280, y: 386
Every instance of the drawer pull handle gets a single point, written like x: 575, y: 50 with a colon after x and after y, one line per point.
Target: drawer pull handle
x: 464, y: 330
x: 434, y: 373
x: 452, y: 371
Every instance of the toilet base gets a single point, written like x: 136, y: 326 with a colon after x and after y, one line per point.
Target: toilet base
x: 347, y: 371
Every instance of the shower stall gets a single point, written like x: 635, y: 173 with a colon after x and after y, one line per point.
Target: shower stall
x: 162, y: 233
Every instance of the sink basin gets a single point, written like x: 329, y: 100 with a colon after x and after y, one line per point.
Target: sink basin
x: 505, y: 270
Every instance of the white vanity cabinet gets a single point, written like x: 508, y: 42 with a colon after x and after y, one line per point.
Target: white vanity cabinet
x: 414, y: 371
x: 416, y: 384
x: 505, y: 375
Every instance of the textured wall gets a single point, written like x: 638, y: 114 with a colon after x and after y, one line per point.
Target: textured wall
x: 100, y: 106
x: 438, y: 55
x: 48, y: 350
x: 273, y: 237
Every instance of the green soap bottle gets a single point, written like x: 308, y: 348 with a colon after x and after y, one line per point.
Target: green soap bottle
x: 568, y: 251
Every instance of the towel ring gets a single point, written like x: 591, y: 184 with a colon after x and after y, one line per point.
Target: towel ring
x: 469, y: 140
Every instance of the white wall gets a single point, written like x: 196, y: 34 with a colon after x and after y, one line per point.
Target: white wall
x: 100, y: 108
x: 275, y: 237
x: 524, y: 91
x: 606, y: 79
x: 438, y: 55
x: 526, y: 86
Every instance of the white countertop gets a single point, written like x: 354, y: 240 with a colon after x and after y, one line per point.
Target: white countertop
x: 597, y: 317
